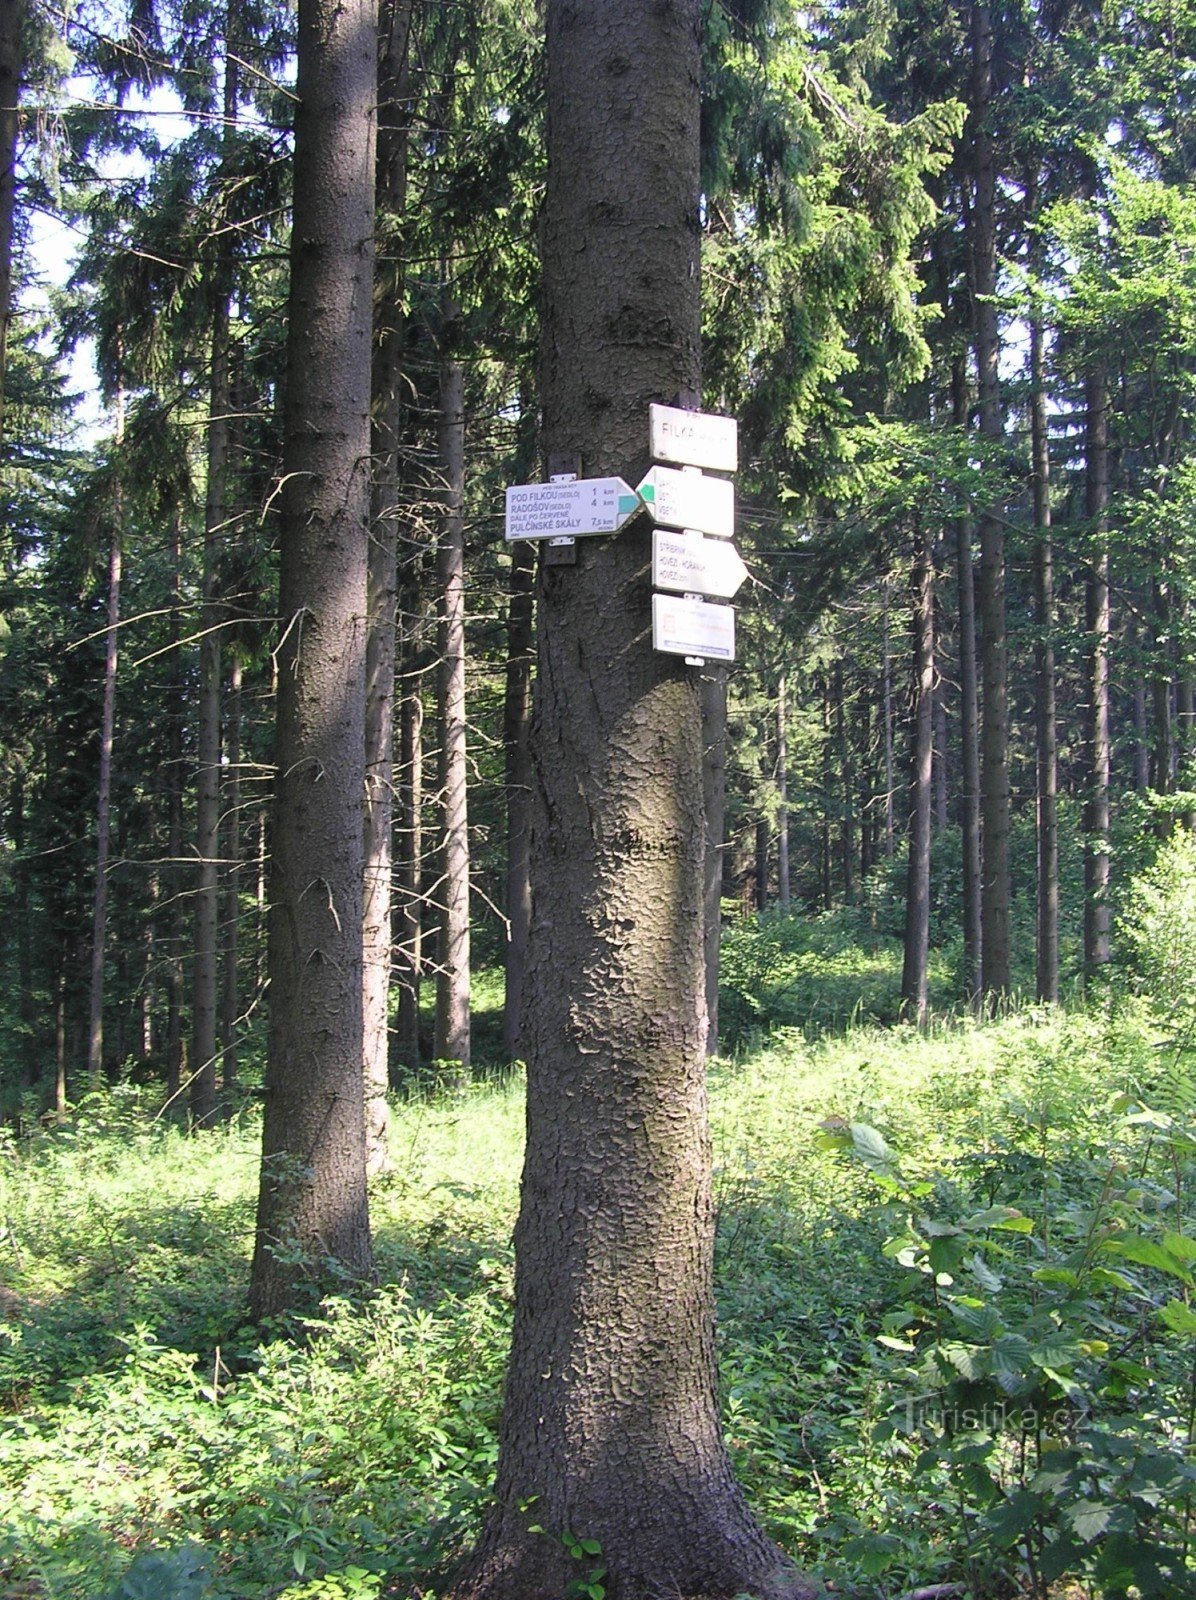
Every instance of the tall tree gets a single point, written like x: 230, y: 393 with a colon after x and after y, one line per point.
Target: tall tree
x: 610, y: 1425
x: 12, y: 16
x: 394, y: 97
x: 312, y: 1205
x: 452, y: 955
x: 994, y: 735
x: 914, y: 992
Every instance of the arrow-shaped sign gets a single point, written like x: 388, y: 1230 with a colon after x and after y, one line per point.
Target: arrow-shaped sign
x: 581, y: 506
x: 690, y: 500
x: 689, y: 563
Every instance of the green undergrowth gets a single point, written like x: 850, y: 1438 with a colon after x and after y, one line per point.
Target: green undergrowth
x: 955, y: 1286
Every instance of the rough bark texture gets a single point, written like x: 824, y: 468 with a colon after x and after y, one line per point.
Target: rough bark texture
x: 452, y: 977
x: 917, y: 897
x: 610, y: 1427
x: 12, y: 14
x: 99, y: 912
x: 230, y: 988
x: 994, y: 735
x: 1096, y: 606
x: 517, y: 721
x: 408, y: 911
x: 782, y: 797
x: 205, y: 973
x: 1046, y: 734
x: 312, y: 1206
x: 714, y: 795
x: 391, y: 191
x: 969, y: 719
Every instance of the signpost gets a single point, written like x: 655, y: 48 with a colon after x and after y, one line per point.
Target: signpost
x: 554, y: 510
x: 693, y: 438
x: 689, y: 500
x: 690, y: 563
x: 693, y: 628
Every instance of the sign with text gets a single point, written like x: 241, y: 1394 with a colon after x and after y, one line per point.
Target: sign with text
x: 690, y: 563
x: 689, y: 500
x: 570, y: 509
x: 693, y: 438
x: 684, y: 627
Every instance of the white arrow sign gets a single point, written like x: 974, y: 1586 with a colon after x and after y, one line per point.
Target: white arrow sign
x: 693, y: 628
x: 693, y: 438
x: 584, y: 506
x: 689, y: 563
x: 690, y: 500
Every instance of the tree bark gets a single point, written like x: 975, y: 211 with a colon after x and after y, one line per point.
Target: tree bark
x: 714, y: 796
x: 178, y: 874
x: 391, y: 197
x: 1097, y: 620
x: 99, y: 918
x: 1046, y: 735
x: 452, y: 977
x: 782, y: 798
x: 886, y: 695
x: 847, y: 783
x: 917, y: 896
x: 517, y: 720
x: 994, y: 734
x: 408, y: 913
x: 12, y: 18
x: 969, y: 720
x: 312, y: 1208
x: 610, y: 1428
x: 230, y: 988
x: 205, y: 995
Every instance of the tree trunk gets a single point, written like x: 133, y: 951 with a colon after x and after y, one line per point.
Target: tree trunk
x: 611, y: 1427
x: 1162, y: 745
x: 205, y: 973
x: 1096, y: 606
x: 12, y: 18
x: 782, y: 798
x: 377, y: 843
x: 99, y: 918
x: 230, y: 990
x: 452, y: 978
x: 969, y: 720
x: 886, y: 695
x: 939, y: 784
x: 847, y: 781
x: 313, y: 1218
x: 994, y: 736
x: 178, y: 875
x: 714, y: 796
x: 517, y: 721
x: 1046, y: 738
x: 917, y: 896
x: 408, y: 915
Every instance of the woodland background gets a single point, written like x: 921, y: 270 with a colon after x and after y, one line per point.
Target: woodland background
x: 949, y: 279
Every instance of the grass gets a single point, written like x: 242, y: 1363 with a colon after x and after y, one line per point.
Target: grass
x: 139, y: 1415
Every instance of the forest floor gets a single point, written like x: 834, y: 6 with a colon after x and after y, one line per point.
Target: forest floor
x: 955, y: 1278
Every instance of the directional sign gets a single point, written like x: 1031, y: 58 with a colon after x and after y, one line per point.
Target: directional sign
x: 584, y: 506
x: 693, y: 438
x: 690, y: 500
x: 689, y: 563
x: 693, y: 627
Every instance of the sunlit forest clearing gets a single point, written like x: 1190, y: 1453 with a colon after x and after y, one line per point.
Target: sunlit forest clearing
x: 955, y: 1335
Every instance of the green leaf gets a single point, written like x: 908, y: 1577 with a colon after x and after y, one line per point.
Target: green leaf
x: 1088, y: 1519
x: 1180, y: 1318
x: 1147, y: 1253
x: 872, y: 1149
